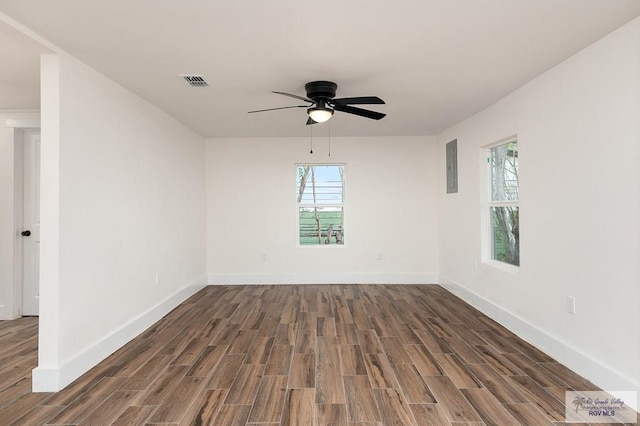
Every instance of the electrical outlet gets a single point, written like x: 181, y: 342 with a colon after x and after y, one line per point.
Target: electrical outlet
x: 263, y: 256
x: 157, y: 279
x: 378, y: 256
x: 571, y: 305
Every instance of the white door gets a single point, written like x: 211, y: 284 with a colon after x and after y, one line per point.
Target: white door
x: 31, y: 223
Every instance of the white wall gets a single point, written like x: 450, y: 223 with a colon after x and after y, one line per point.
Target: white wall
x: 9, y: 224
x: 578, y: 135
x: 123, y: 199
x: 391, y: 209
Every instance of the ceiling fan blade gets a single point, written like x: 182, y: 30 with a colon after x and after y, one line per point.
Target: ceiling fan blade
x: 311, y: 121
x: 273, y: 109
x: 360, y: 100
x: 359, y: 111
x: 302, y: 98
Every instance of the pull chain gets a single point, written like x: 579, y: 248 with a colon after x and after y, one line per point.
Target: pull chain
x: 311, y: 128
x: 329, y: 138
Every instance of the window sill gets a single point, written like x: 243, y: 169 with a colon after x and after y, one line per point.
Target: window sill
x: 512, y: 269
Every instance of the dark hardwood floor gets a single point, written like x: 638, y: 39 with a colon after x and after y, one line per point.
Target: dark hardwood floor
x: 303, y: 355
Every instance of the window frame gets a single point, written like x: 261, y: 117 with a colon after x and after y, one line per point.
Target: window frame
x: 320, y: 205
x: 487, y: 237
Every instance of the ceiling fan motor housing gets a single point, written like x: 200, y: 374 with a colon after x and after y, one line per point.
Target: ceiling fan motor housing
x: 321, y: 90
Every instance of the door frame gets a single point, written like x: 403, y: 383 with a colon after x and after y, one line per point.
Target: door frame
x: 16, y: 129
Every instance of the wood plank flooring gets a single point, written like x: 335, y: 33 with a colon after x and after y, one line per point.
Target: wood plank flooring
x: 301, y: 355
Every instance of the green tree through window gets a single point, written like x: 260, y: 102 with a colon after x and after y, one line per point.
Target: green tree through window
x: 504, y: 203
x: 320, y: 203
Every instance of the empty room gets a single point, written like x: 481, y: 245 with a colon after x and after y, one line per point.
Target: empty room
x: 347, y: 213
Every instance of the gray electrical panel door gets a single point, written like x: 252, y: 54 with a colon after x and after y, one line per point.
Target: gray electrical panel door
x: 452, y: 166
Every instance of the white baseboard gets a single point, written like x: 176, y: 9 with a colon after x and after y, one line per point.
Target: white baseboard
x: 596, y: 372
x: 47, y: 379
x: 239, y: 279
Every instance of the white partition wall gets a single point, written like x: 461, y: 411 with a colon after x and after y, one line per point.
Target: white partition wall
x: 122, y: 218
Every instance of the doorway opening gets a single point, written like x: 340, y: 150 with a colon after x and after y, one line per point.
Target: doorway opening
x: 26, y: 144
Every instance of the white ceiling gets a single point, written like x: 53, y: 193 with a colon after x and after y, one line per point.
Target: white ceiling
x: 435, y: 62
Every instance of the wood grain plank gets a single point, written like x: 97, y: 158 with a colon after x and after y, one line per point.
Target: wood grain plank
x: 429, y: 414
x: 329, y: 386
x: 326, y: 327
x: 394, y: 409
x: 191, y: 352
x: 415, y: 389
x: 423, y: 360
x: 305, y: 342
x: 205, y: 408
x: 259, y: 351
x: 286, y: 334
x: 172, y: 408
x: 270, y: 398
x: 242, y: 342
x: 369, y: 343
x: 498, y: 361
x: 331, y: 414
x: 379, y: 370
x: 111, y: 408
x: 299, y: 408
x: 531, y: 390
x: 205, y: 365
x: 352, y: 360
x: 527, y: 414
x: 346, y: 334
x: 395, y: 351
x: 134, y: 415
x: 361, y: 404
x: 159, y: 389
x: 83, y: 406
x: 464, y: 351
x: 303, y: 371
x: 39, y: 415
x: 225, y: 372
x: 232, y: 415
x: 454, y: 404
x: 147, y: 374
x: 488, y: 407
x: 244, y: 388
x: 457, y: 371
x: 535, y: 371
x: 504, y: 391
x: 469, y: 336
x: 279, y: 361
x: 18, y: 408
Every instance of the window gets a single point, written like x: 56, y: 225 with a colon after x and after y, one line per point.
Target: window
x: 504, y: 209
x: 320, y: 204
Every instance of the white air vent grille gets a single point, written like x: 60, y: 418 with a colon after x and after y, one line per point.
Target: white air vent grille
x: 194, y: 80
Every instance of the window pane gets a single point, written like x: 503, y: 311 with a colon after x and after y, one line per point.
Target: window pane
x: 504, y: 172
x: 320, y: 184
x: 505, y: 230
x: 321, y: 225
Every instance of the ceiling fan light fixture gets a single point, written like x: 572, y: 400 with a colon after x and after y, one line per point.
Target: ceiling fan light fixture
x: 320, y: 114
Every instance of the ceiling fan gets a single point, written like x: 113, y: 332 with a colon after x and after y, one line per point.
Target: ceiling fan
x: 322, y: 103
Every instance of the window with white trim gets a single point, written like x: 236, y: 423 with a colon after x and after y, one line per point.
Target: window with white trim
x: 320, y: 204
x: 504, y: 209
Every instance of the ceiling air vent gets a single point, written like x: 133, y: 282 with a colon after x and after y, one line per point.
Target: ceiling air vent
x: 194, y: 80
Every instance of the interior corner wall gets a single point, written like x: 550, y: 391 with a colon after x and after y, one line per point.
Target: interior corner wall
x: 578, y: 137
x: 122, y: 218
x: 390, y: 213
